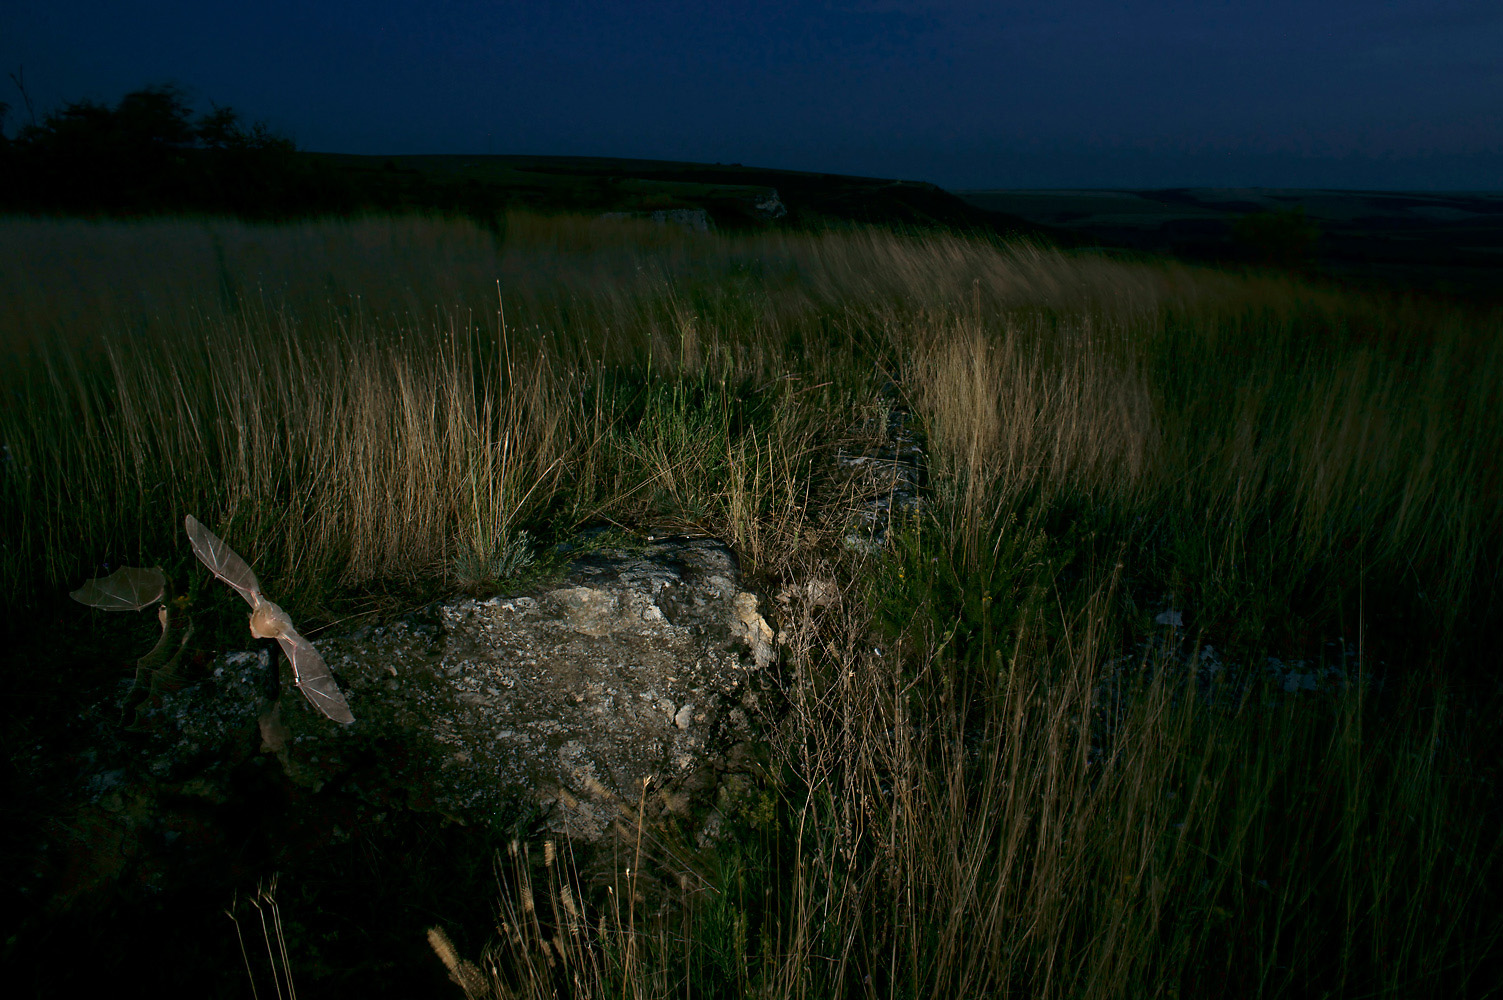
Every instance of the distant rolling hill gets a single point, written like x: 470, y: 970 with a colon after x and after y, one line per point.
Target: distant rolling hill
x: 1438, y: 242
x: 1447, y: 243
x: 733, y: 195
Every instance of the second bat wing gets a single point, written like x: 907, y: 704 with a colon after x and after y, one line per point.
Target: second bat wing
x: 314, y: 679
x: 126, y: 589
x: 222, y: 560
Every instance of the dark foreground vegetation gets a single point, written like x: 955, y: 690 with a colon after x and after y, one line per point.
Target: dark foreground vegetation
x: 951, y: 802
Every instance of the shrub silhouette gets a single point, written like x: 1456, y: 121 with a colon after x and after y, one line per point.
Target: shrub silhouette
x: 148, y: 154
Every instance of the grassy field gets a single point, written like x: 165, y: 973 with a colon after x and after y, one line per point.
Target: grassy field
x: 397, y: 407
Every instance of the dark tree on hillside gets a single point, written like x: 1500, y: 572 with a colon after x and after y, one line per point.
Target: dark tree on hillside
x: 148, y: 154
x: 121, y: 158
x: 249, y: 171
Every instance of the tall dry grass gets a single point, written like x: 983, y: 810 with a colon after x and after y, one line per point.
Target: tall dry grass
x: 947, y: 832
x: 947, y: 812
x: 1325, y: 444
x: 322, y: 369
x: 331, y: 388
x: 312, y: 403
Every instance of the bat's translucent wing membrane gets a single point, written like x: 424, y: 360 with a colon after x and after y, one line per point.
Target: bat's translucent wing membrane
x: 314, y: 679
x: 222, y: 560
x: 126, y: 589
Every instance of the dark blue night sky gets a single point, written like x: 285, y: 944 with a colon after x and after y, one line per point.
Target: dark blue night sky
x: 1057, y: 93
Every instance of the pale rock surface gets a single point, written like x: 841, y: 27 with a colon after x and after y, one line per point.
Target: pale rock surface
x: 639, y: 668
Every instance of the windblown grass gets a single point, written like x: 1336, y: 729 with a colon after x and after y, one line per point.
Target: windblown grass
x: 959, y: 834
x: 947, y: 811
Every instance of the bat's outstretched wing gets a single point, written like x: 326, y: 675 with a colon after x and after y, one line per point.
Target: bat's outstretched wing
x: 313, y: 677
x: 222, y: 560
x: 126, y: 589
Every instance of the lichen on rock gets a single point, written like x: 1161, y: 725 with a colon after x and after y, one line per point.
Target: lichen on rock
x: 554, y: 707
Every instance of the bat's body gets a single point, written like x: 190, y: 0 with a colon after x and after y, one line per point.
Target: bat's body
x: 268, y: 621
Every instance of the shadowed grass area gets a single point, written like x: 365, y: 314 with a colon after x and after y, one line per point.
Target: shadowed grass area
x: 999, y: 773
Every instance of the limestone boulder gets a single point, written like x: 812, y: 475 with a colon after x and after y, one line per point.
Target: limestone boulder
x: 633, y: 669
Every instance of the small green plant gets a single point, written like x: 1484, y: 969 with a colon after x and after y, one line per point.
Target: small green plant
x: 502, y: 559
x: 930, y: 583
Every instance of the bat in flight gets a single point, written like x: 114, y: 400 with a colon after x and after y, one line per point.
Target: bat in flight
x: 267, y: 621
